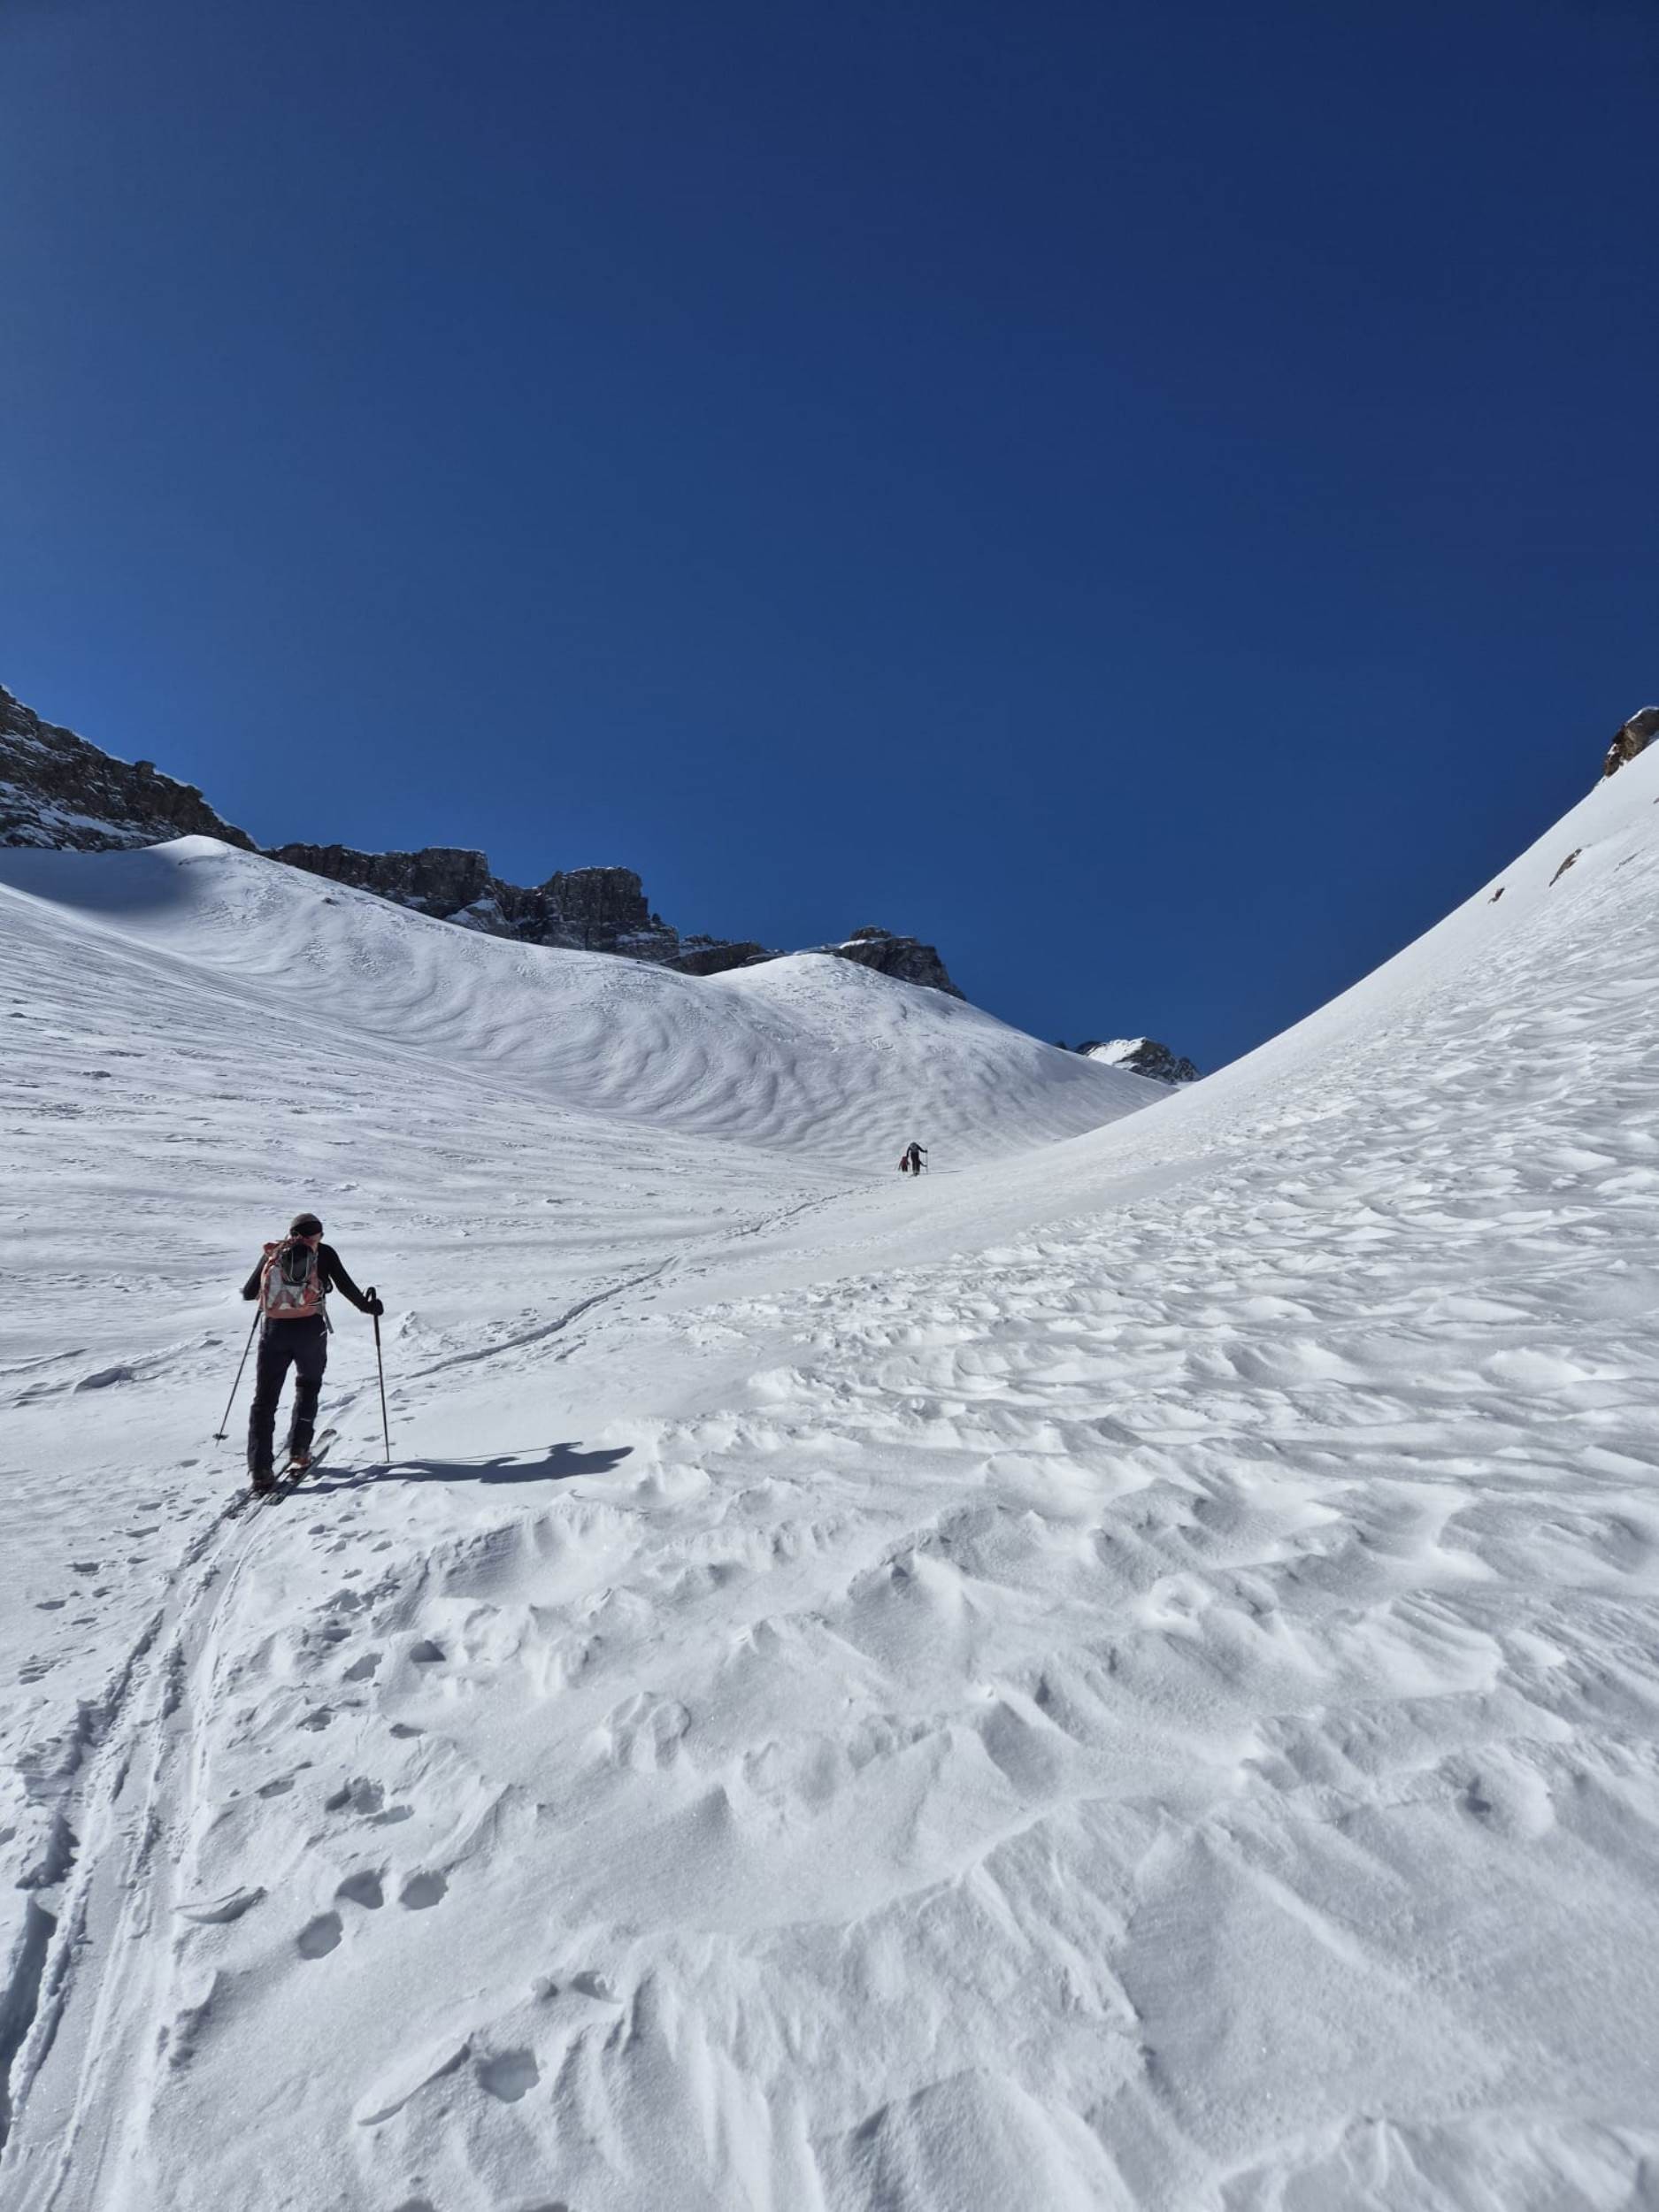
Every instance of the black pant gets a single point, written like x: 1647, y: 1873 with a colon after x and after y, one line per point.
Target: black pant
x: 303, y: 1346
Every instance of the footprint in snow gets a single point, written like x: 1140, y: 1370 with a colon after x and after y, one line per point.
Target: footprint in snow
x: 363, y: 1796
x: 509, y: 2074
x: 426, y: 1653
x: 421, y: 1892
x: 363, y: 1889
x: 317, y: 1937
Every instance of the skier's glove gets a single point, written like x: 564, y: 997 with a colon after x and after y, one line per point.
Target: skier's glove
x: 372, y: 1305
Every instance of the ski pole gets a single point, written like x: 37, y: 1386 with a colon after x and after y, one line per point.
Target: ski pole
x: 221, y: 1432
x: 379, y: 1369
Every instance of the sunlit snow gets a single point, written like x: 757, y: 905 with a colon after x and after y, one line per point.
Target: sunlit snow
x: 1120, y: 1674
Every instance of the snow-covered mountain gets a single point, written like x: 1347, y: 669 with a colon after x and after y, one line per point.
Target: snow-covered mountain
x: 1142, y: 1055
x: 1117, y: 1674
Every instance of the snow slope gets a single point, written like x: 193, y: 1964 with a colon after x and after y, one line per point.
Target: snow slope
x: 830, y: 1060
x: 1123, y: 1677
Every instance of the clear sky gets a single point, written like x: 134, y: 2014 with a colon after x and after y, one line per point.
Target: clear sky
x: 1157, y: 498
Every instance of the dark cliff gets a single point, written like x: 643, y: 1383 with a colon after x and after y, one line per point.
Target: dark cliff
x: 1630, y: 738
x: 583, y: 910
x: 904, y: 958
x: 56, y: 790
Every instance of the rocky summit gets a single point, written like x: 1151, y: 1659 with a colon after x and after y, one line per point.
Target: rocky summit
x: 56, y: 789
x: 1141, y: 1056
x: 906, y: 959
x: 1630, y: 738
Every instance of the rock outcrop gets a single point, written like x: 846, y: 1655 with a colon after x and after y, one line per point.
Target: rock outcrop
x: 440, y: 880
x: 57, y: 790
x: 583, y: 910
x: 1633, y: 737
x: 605, y: 910
x: 904, y: 958
x: 714, y: 956
x: 1141, y: 1056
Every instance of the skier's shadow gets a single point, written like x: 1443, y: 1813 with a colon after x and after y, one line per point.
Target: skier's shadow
x: 553, y: 1462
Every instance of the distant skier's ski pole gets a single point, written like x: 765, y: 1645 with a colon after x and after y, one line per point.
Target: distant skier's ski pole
x: 381, y: 1370
x: 222, y: 1432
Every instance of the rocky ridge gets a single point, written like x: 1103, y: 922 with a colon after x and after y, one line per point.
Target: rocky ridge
x: 1630, y: 738
x: 1141, y: 1056
x: 56, y: 789
x: 582, y: 909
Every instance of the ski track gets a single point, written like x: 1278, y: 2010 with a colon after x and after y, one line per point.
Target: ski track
x: 1150, y: 1706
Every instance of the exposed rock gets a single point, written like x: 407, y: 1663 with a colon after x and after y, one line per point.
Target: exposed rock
x: 1635, y: 737
x: 440, y: 880
x: 57, y: 790
x: 1141, y: 1056
x: 604, y: 910
x: 709, y: 956
x: 904, y: 958
x: 584, y: 910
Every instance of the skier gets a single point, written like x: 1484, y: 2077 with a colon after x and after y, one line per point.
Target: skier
x: 291, y: 1280
x: 915, y: 1158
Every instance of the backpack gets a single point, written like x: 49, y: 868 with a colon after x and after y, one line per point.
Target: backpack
x: 291, y: 1285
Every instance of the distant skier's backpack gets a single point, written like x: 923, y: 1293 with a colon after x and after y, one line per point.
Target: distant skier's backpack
x: 905, y: 1163
x: 291, y: 1281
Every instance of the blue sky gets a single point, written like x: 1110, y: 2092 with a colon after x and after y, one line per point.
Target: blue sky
x: 1158, y: 500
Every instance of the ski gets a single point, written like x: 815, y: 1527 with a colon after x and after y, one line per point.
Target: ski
x: 290, y: 1476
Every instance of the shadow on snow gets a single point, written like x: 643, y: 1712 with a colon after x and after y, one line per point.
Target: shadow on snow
x: 554, y: 1463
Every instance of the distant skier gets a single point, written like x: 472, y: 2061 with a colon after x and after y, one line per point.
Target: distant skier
x: 913, y: 1159
x: 292, y: 1281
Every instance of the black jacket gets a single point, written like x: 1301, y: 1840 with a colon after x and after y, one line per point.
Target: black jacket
x: 334, y: 1277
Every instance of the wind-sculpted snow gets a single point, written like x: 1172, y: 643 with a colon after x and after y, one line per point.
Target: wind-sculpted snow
x: 1127, y: 1678
x: 810, y: 1054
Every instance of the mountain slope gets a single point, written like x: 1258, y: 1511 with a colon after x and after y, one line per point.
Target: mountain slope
x: 818, y: 1054
x: 1122, y: 1676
